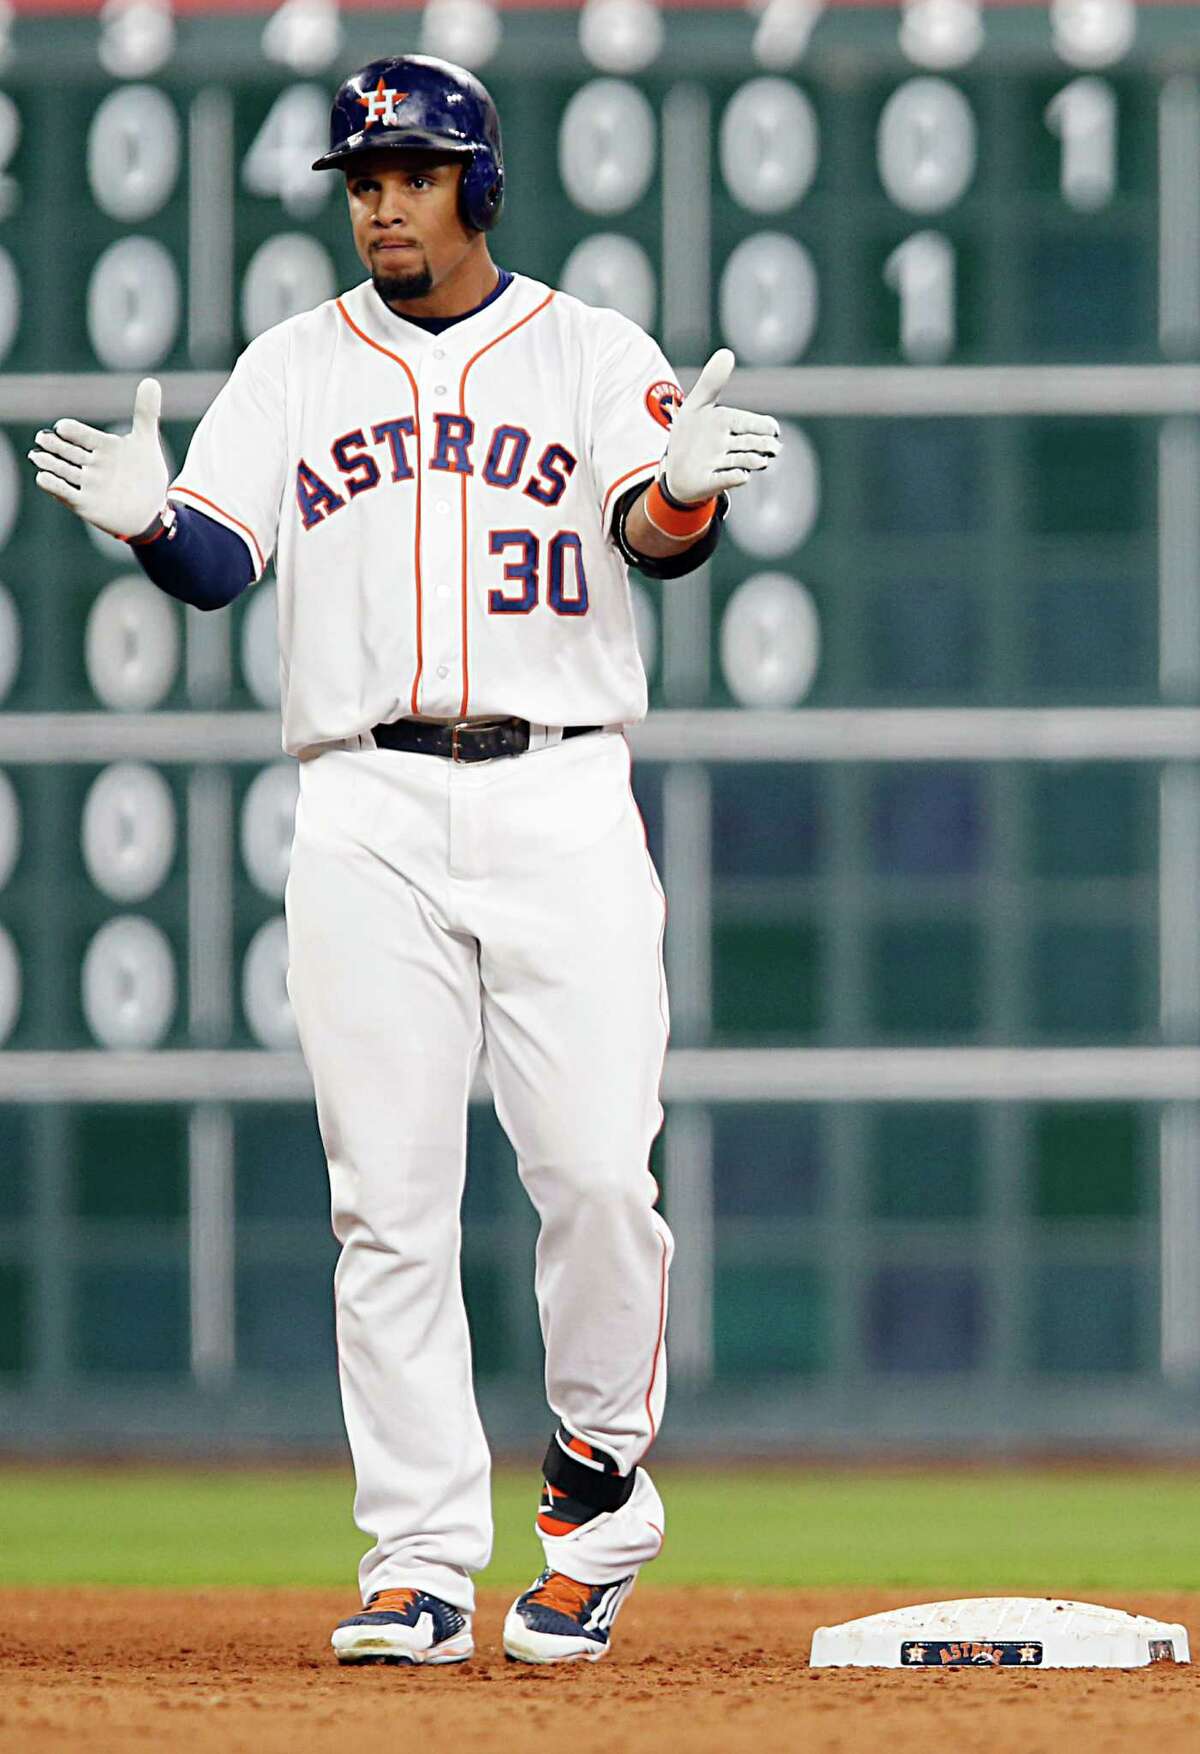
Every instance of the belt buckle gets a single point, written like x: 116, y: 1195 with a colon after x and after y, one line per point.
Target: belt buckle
x: 456, y: 753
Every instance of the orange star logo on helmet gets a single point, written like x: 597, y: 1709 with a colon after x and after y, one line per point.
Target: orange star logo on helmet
x: 662, y: 399
x: 380, y: 105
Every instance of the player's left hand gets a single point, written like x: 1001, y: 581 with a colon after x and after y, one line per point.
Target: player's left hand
x: 118, y: 484
x: 712, y: 449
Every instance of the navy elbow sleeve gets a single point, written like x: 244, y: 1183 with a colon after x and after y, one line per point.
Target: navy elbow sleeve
x: 673, y: 566
x: 201, y: 562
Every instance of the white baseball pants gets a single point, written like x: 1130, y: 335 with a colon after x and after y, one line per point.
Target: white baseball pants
x: 433, y: 908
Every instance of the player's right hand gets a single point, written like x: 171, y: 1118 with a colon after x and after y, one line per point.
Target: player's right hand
x: 712, y: 449
x: 117, y: 484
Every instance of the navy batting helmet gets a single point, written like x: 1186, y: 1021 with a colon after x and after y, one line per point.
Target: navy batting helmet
x: 425, y: 105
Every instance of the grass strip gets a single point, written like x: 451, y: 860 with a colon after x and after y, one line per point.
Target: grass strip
x: 974, y: 1533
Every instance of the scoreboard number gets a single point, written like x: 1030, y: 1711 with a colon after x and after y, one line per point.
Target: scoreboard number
x: 926, y: 145
x: 128, y: 983
x: 10, y: 137
x: 133, y: 305
x: 921, y: 271
x: 769, y: 145
x: 769, y: 299
x: 941, y: 33
x: 133, y: 153
x: 128, y: 831
x: 131, y: 645
x: 1084, y: 116
x: 607, y: 144
x: 136, y: 37
x: 303, y: 34
x: 288, y: 274
x: 609, y: 269
x: 770, y: 641
x: 294, y: 133
x: 1093, y: 33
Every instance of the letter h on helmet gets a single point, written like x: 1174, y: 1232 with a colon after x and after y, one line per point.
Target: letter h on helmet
x: 420, y: 104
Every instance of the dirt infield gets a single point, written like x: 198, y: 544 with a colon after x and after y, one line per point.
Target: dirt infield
x: 706, y: 1669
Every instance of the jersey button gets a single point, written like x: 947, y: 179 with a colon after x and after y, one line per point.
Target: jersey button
x: 443, y: 505
x: 439, y: 353
x: 443, y: 672
x: 439, y: 389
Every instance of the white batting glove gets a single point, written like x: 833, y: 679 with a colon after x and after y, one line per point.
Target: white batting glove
x: 712, y: 449
x: 117, y: 484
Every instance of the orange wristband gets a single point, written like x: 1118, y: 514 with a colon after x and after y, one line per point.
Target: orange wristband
x: 670, y: 520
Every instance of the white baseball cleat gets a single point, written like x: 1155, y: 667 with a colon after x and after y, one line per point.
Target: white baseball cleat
x: 559, y: 1620
x: 404, y: 1626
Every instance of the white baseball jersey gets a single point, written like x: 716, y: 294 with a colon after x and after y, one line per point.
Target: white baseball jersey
x: 440, y: 507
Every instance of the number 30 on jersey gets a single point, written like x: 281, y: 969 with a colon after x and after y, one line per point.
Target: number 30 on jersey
x: 566, y: 581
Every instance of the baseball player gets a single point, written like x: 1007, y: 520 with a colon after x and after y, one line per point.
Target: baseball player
x: 454, y: 466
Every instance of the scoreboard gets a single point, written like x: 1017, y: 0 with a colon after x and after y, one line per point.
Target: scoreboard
x: 957, y: 250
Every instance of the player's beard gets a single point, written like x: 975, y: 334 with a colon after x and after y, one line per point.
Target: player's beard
x: 396, y: 289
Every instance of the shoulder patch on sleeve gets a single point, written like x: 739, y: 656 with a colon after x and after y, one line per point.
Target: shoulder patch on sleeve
x: 662, y: 399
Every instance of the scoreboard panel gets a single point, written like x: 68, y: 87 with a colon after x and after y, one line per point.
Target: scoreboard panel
x: 892, y: 193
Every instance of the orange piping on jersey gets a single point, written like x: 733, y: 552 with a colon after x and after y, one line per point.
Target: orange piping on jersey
x: 462, y: 409
x: 388, y: 354
x: 621, y: 479
x: 221, y: 512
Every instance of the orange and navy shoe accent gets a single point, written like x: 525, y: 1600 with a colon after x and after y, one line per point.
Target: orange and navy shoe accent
x: 404, y: 1626
x: 558, y: 1620
x: 579, y: 1482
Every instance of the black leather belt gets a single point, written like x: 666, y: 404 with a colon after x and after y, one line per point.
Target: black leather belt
x: 469, y: 740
